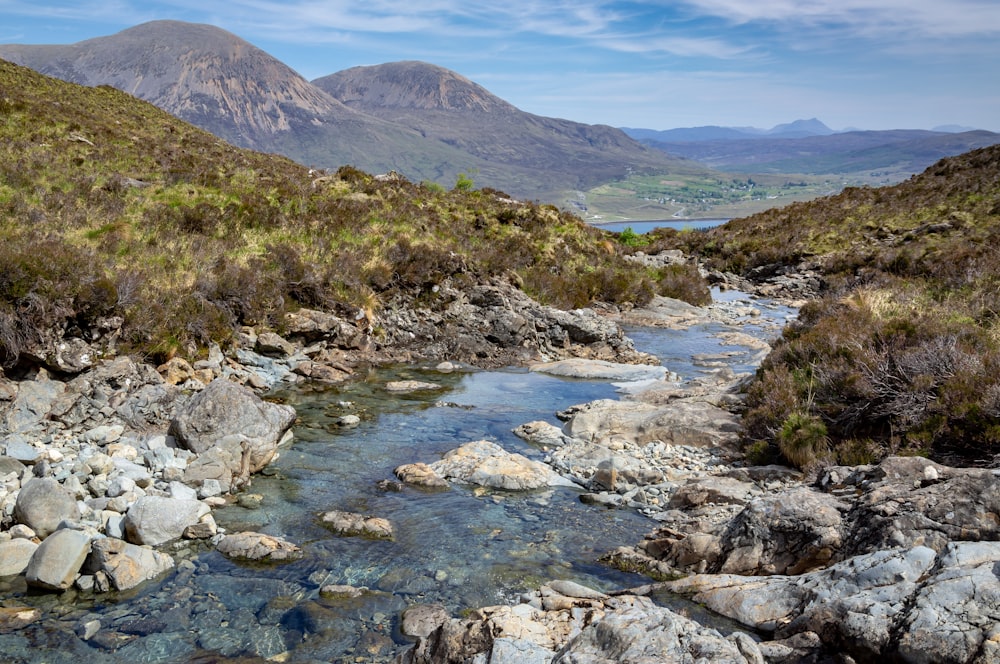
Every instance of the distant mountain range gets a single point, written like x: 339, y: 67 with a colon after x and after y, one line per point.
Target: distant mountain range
x: 810, y: 147
x: 429, y: 123
x: 418, y: 119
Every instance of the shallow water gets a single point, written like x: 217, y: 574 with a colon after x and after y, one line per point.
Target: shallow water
x: 465, y: 547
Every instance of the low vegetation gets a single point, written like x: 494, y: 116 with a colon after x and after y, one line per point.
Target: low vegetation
x: 902, y: 355
x: 115, y: 214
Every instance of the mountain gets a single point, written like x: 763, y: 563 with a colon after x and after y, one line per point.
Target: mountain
x: 392, y: 118
x: 900, y: 152
x: 796, y: 129
x: 447, y: 107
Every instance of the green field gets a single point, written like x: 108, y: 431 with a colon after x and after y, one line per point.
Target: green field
x: 646, y: 197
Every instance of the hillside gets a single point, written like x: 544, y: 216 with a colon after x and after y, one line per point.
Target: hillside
x: 227, y: 86
x: 903, y: 353
x: 124, y: 226
x: 449, y: 108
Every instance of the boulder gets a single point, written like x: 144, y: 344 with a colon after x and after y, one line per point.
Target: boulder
x: 269, y: 343
x: 257, y: 546
x: 126, y: 565
x: 15, y: 555
x: 57, y: 561
x: 420, y: 474
x: 33, y: 403
x: 412, y: 386
x: 231, y: 416
x: 487, y: 464
x: 351, y: 524
x: 683, y: 422
x: 420, y: 620
x: 42, y: 504
x: 155, y: 520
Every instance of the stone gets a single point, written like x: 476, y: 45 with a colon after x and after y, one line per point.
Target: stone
x: 43, y: 504
x: 15, y: 555
x: 231, y: 416
x: 419, y: 620
x: 542, y: 434
x: 58, y: 560
x: 682, y: 422
x: 33, y: 402
x: 487, y: 464
x: 273, y: 345
x: 19, y: 449
x: 601, y: 370
x: 204, y: 529
x: 15, y: 618
x: 351, y: 524
x: 257, y: 546
x: 420, y: 474
x: 155, y: 520
x: 126, y: 565
x: 176, y: 371
x: 412, y: 386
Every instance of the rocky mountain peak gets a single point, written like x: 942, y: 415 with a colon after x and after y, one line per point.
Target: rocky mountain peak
x: 410, y: 85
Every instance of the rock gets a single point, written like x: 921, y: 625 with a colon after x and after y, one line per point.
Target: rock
x: 155, y: 520
x: 228, y: 415
x: 420, y: 474
x: 646, y: 634
x: 126, y: 565
x: 257, y: 546
x: 204, y: 529
x: 15, y: 555
x: 16, y: 618
x: 10, y: 465
x: 487, y: 464
x: 601, y: 370
x: 792, y: 532
x: 43, y: 504
x: 419, y: 620
x: 956, y: 617
x: 33, y: 402
x: 17, y: 448
x: 712, y: 490
x: 542, y: 434
x: 412, y: 386
x: 333, y: 591
x: 350, y: 524
x: 687, y: 422
x: 176, y: 371
x: 269, y: 343
x: 854, y: 604
x: 58, y: 560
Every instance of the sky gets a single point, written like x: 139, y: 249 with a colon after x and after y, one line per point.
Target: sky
x: 656, y: 64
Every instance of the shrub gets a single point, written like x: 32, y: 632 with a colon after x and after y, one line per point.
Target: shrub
x: 802, y: 440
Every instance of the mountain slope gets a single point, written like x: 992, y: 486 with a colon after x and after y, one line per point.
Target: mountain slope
x: 223, y: 84
x: 903, y: 355
x: 451, y: 109
x: 238, y: 92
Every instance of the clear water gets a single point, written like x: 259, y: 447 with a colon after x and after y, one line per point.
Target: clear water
x: 462, y: 548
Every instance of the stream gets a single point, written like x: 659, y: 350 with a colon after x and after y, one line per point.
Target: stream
x: 462, y: 548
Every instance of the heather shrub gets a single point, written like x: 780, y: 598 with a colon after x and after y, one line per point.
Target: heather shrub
x: 802, y: 439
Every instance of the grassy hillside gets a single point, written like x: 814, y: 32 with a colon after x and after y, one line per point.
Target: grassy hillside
x: 903, y: 354
x: 112, y: 208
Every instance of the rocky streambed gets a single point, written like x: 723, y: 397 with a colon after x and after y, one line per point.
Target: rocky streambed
x: 167, y: 515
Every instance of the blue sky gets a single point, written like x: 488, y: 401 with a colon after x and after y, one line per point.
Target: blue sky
x: 870, y: 64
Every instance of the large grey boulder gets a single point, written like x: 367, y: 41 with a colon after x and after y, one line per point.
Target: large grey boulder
x: 487, y: 464
x: 126, y: 565
x: 155, y: 520
x: 42, y: 504
x: 32, y: 403
x: 228, y: 415
x: 15, y: 554
x: 684, y: 422
x: 57, y: 561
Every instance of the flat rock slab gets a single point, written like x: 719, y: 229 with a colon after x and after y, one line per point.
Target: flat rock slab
x: 58, y: 560
x: 600, y: 370
x: 351, y: 524
x: 411, y: 386
x: 15, y: 555
x: 487, y: 464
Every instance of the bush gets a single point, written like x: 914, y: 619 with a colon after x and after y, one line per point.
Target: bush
x: 802, y: 440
